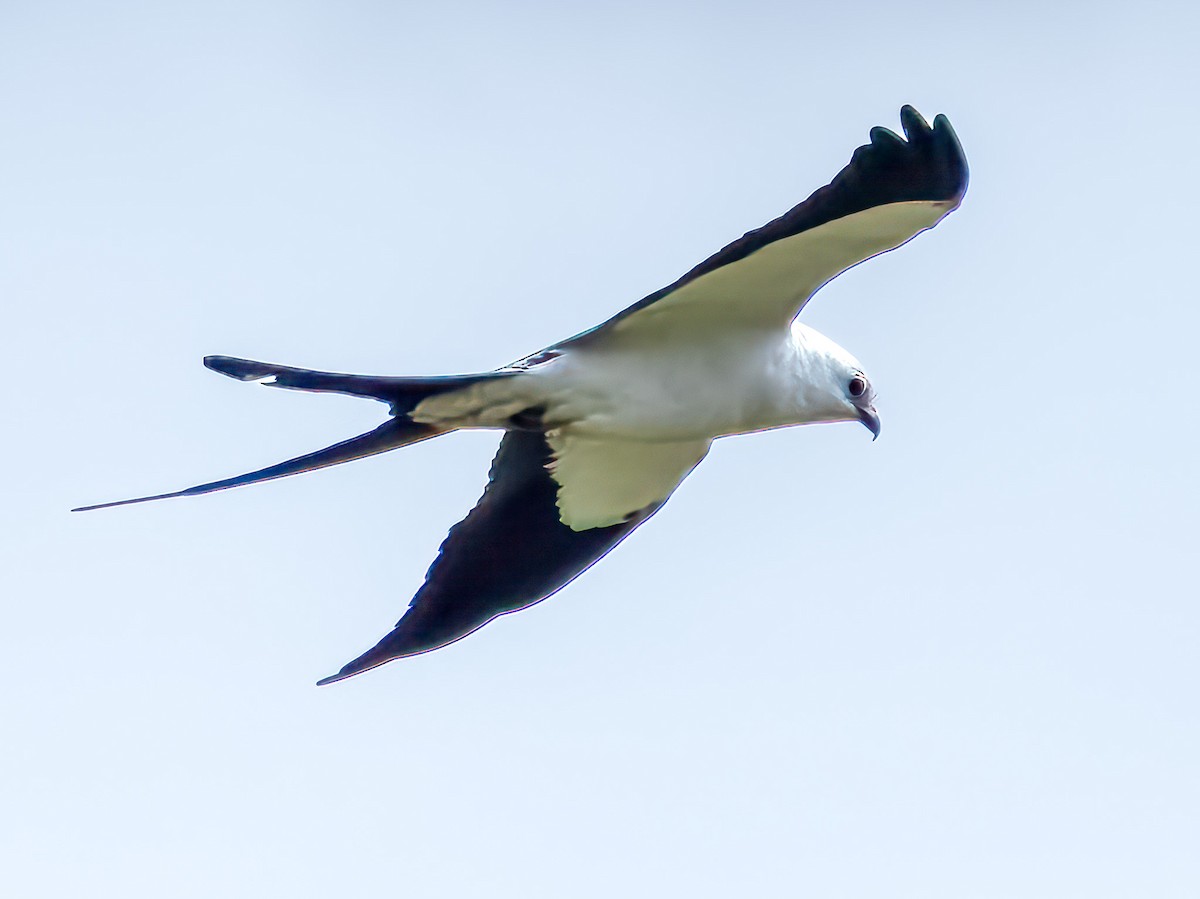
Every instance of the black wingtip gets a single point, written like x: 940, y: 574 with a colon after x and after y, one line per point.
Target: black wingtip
x: 358, y: 666
x: 938, y: 142
x: 881, y: 135
x: 242, y: 369
x: 945, y: 131
x: 914, y: 124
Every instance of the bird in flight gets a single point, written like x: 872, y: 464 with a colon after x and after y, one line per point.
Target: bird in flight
x: 601, y: 428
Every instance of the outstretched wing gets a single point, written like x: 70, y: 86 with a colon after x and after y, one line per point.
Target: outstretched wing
x: 892, y: 190
x: 514, y: 549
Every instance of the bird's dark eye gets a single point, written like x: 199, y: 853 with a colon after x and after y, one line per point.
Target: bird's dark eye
x: 858, y: 386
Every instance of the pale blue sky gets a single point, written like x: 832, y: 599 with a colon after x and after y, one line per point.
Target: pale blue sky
x: 957, y: 662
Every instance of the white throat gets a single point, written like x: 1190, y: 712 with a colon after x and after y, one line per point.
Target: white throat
x: 822, y: 369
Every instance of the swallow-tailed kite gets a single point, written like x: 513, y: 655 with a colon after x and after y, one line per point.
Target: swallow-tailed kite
x: 601, y: 428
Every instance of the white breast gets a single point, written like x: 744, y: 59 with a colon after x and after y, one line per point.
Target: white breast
x: 674, y: 391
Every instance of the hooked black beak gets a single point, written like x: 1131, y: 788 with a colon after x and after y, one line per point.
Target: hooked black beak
x: 869, y: 417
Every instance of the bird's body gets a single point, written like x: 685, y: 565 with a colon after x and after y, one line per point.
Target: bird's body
x: 601, y: 428
x: 740, y: 382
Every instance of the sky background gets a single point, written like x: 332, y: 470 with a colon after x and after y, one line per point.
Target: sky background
x: 960, y: 661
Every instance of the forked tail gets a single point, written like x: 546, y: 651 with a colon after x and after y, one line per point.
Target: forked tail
x: 401, y: 394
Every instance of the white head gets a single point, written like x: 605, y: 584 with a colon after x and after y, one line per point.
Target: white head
x: 833, y: 384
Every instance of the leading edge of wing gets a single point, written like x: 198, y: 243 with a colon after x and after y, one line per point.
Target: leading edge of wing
x: 510, y: 552
x: 927, y: 166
